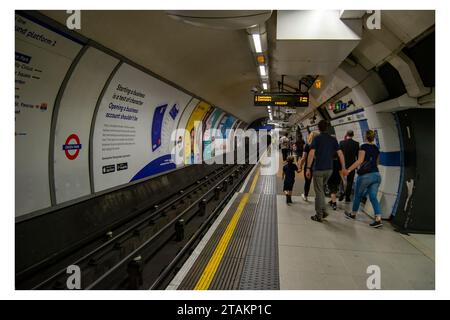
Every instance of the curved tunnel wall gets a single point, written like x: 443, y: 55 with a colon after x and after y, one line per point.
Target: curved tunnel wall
x: 88, y: 121
x: 367, y: 106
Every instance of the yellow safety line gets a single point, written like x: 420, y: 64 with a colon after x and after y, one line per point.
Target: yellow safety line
x: 255, y: 179
x: 213, y: 264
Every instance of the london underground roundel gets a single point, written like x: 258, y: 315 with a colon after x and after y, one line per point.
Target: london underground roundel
x: 72, y: 147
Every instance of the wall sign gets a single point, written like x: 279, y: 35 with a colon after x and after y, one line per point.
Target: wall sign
x: 72, y: 143
x: 340, y: 106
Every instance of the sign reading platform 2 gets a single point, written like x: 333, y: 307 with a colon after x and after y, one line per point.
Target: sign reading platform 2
x: 282, y: 99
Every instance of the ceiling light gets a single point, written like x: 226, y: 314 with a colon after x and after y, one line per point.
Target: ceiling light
x: 265, y: 86
x: 262, y: 71
x: 257, y: 42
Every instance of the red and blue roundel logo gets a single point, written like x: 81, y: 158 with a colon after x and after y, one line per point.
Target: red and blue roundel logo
x: 72, y: 147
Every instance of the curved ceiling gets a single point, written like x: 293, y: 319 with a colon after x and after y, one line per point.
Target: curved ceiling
x: 216, y: 65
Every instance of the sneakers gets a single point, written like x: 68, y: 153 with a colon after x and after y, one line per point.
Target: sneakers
x: 341, y: 197
x: 349, y: 215
x: 376, y: 224
x: 316, y: 218
x: 305, y: 198
x: 333, y: 205
x: 324, y: 215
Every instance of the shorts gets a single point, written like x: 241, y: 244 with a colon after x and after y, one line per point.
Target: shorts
x: 288, y: 185
x: 332, y: 187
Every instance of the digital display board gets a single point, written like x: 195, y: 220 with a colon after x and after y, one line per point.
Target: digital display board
x: 282, y: 99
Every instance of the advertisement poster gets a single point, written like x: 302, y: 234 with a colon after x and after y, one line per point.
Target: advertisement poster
x: 158, y: 117
x: 193, y: 136
x: 177, y: 136
x: 42, y: 59
x: 133, y: 128
x: 208, y: 137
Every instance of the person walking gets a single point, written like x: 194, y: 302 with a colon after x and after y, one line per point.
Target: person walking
x: 285, y: 145
x: 334, y: 182
x: 323, y: 149
x: 303, y: 162
x: 350, y: 150
x: 299, y: 146
x: 369, y: 178
x: 288, y: 176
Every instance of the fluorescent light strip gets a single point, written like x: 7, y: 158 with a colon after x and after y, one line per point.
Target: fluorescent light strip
x: 257, y: 42
x: 262, y: 71
x: 265, y: 86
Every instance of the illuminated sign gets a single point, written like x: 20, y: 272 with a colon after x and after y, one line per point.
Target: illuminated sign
x: 339, y: 106
x: 282, y: 99
x: 318, y: 84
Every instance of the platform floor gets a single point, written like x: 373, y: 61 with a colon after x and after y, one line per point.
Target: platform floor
x: 260, y: 243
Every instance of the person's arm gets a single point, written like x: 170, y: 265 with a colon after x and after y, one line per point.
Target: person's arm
x: 357, y: 163
x: 302, y: 161
x: 342, y: 160
x: 309, y: 163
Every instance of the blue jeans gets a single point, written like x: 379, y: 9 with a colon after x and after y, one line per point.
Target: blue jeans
x: 367, y: 184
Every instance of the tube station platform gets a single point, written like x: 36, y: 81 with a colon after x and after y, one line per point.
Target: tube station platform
x: 260, y: 243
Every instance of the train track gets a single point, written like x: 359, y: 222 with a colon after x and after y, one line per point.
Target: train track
x: 145, y: 251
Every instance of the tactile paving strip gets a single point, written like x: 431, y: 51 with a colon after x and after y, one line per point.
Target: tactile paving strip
x: 230, y: 269
x: 266, y: 184
x: 191, y: 278
x: 250, y: 261
x: 261, y: 270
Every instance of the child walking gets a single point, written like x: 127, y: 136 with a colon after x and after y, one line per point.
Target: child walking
x: 289, y: 171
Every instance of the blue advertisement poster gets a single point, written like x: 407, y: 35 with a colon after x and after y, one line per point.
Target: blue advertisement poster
x: 174, y: 111
x: 157, y: 126
x: 226, y: 124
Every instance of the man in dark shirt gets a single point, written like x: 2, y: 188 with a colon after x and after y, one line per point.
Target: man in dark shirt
x: 323, y: 149
x: 350, y: 149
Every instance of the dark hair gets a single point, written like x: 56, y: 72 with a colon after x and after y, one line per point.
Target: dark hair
x: 350, y: 133
x: 370, y: 135
x: 290, y: 159
x: 323, y: 125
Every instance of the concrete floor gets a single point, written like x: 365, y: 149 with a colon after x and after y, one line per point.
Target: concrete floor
x: 335, y: 254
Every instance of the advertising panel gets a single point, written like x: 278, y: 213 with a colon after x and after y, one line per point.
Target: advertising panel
x: 133, y: 128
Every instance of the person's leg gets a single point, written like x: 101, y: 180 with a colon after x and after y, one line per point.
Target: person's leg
x: 348, y: 189
x: 307, y: 185
x: 319, y: 180
x: 372, y: 192
x: 362, y: 182
x: 319, y: 191
x: 333, y: 192
x: 341, y: 190
x: 326, y: 176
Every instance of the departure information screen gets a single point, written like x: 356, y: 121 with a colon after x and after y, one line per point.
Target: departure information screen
x: 282, y: 99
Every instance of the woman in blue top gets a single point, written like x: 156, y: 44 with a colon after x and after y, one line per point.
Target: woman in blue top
x: 369, y: 178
